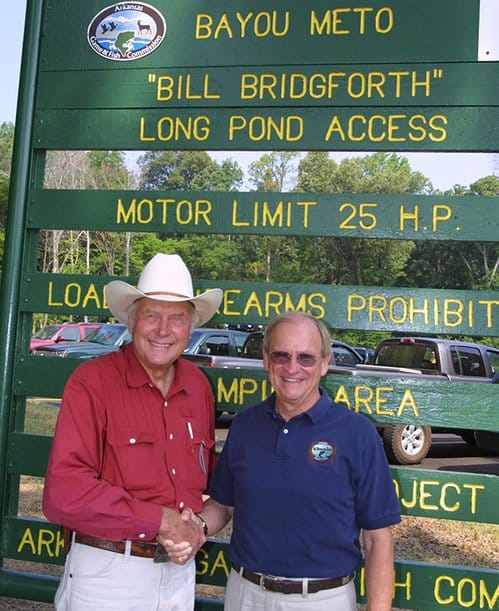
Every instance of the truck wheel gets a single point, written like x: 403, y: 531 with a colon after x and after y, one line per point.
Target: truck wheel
x: 406, y: 444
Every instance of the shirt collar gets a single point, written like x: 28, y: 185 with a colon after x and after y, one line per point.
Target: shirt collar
x: 137, y: 376
x: 314, y: 414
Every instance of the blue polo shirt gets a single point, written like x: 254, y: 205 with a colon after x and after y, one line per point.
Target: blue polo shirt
x: 303, y: 489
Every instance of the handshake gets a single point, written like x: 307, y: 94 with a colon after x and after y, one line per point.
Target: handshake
x: 180, y: 536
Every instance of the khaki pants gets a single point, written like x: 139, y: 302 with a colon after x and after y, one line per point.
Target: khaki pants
x: 242, y: 595
x: 98, y: 580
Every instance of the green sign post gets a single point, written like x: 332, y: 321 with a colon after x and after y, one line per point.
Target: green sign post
x: 394, y: 75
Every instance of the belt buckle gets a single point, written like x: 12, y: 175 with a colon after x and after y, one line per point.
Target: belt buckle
x: 160, y: 554
x: 277, y: 584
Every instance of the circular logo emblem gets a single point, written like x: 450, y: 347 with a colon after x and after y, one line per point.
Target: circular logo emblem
x: 124, y: 32
x: 322, y: 451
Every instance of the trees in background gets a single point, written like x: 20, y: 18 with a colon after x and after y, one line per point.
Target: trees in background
x: 6, y: 143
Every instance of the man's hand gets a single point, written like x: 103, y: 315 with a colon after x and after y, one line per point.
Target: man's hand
x: 180, y: 534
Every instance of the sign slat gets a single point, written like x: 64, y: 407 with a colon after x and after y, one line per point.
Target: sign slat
x: 403, y: 216
x: 435, y: 128
x: 406, y: 310
x: 390, y: 400
x: 208, y: 33
x: 353, y: 85
x: 418, y: 585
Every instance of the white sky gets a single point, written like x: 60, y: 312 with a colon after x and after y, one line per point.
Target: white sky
x: 443, y: 169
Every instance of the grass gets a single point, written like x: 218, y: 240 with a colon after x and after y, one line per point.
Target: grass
x: 41, y: 415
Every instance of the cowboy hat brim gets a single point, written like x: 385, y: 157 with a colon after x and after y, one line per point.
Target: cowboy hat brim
x: 121, y: 295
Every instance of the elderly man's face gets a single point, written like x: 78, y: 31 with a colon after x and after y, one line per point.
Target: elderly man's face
x: 295, y: 365
x: 160, y: 332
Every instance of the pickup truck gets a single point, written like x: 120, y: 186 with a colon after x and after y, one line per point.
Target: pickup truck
x: 408, y: 357
x: 447, y: 360
x: 215, y: 342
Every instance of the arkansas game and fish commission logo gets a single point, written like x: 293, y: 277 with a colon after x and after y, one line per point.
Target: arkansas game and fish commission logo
x: 126, y: 31
x: 322, y: 451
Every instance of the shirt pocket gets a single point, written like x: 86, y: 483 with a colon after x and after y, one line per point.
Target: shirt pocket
x: 200, y: 451
x: 136, y: 459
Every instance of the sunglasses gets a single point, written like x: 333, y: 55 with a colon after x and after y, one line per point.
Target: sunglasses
x: 302, y: 358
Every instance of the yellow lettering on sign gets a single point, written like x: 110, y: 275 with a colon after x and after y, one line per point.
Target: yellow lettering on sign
x: 372, y: 400
x: 228, y: 301
x: 44, y: 541
x: 408, y: 401
x: 275, y: 214
x: 401, y: 310
x: 465, y: 592
x: 259, y: 25
x: 386, y: 128
x: 406, y: 585
x: 257, y: 128
x: 175, y: 129
x: 182, y: 87
x: 347, y: 21
x: 73, y: 295
x: 183, y: 211
x: 276, y: 302
x: 242, y: 388
x: 431, y: 495
x: 488, y: 304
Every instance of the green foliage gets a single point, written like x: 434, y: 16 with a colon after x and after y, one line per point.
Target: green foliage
x: 107, y: 170
x: 488, y: 185
x: 359, y: 261
x: 271, y: 172
x: 6, y: 146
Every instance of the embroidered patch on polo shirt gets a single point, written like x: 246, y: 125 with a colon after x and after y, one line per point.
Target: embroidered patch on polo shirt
x: 322, y: 451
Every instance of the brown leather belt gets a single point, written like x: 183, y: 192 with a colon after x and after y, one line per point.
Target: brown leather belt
x: 145, y: 550
x: 288, y: 586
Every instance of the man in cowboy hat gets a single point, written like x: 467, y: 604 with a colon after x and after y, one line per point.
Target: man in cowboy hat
x: 134, y: 446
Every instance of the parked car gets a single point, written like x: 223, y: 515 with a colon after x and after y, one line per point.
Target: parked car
x: 107, y: 338
x: 63, y: 332
x: 250, y: 355
x: 221, y: 342
x: 365, y: 352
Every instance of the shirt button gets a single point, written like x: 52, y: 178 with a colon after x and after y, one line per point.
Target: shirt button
x: 285, y: 431
x: 142, y: 536
x: 171, y: 436
x: 181, y: 504
x: 165, y: 404
x: 132, y: 440
x: 173, y: 472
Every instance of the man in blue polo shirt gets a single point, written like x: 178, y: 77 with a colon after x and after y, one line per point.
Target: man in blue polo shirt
x: 303, y: 478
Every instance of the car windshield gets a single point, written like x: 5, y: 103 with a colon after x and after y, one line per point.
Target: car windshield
x: 192, y: 340
x: 106, y: 336
x: 47, y: 332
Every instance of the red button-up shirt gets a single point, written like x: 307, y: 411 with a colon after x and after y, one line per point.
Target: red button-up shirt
x: 121, y: 450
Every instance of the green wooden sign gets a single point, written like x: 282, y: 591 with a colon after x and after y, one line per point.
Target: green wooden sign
x: 418, y: 585
x: 447, y: 495
x: 408, y: 310
x: 384, y: 399
x: 413, y: 217
x: 81, y: 36
x: 302, y: 128
x: 353, y: 85
x: 432, y: 494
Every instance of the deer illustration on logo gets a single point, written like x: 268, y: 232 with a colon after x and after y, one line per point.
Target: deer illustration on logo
x: 144, y: 27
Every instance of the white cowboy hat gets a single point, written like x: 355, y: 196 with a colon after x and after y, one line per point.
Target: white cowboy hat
x: 166, y: 278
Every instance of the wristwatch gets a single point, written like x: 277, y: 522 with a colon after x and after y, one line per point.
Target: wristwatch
x: 203, y: 524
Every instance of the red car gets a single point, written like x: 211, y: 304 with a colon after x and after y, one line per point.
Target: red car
x: 64, y: 332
